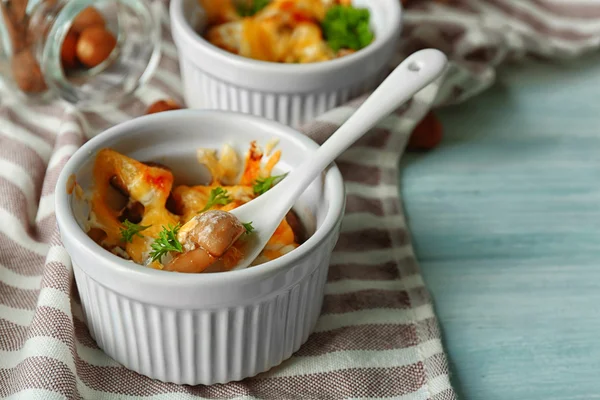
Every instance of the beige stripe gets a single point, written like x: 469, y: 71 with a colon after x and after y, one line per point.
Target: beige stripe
x: 36, y: 394
x: 366, y: 156
x: 169, y: 50
x: 13, y: 229
x: 17, y: 133
x: 574, y: 9
x: 371, y: 192
x: 355, y: 359
x: 386, y: 271
x: 19, y: 281
x: 44, y: 346
x: 438, y: 385
x: 374, y: 316
x: 16, y: 175
x: 548, y: 25
x: 60, y: 154
x: 46, y: 207
x: 169, y: 79
x: 359, y: 221
x: 560, y: 21
x: 347, y: 286
x: 18, y: 316
x: 373, y: 257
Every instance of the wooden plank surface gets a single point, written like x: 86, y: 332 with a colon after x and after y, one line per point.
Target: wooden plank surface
x: 505, y: 218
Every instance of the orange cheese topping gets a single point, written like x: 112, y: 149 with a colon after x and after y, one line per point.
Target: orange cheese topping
x: 152, y: 187
x: 286, y: 31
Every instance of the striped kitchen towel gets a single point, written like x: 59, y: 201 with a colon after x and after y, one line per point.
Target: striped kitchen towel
x: 377, y: 337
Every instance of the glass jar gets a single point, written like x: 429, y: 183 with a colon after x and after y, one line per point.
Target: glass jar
x: 88, y: 57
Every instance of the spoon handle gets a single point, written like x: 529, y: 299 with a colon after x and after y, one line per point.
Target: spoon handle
x: 412, y: 75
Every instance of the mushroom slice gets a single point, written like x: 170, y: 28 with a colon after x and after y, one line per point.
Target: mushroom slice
x: 194, y: 261
x: 214, y: 230
x: 205, y: 238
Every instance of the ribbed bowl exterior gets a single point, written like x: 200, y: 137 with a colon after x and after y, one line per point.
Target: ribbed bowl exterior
x: 205, y: 346
x: 204, y: 91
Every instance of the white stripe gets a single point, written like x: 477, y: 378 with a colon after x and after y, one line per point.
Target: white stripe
x: 19, y: 177
x: 12, y: 228
x: 77, y: 311
x: 544, y: 44
x: 397, y: 124
x: 45, y: 346
x: 89, y: 393
x: 170, y: 51
x: 46, y: 123
x: 20, y: 134
x: 393, y: 122
x: 19, y: 281
x: 360, y: 221
x: 71, y: 126
x: 340, y: 360
x: 371, y: 192
x: 61, y: 153
x: 54, y: 298
x: 351, y: 285
x: 59, y: 254
x: 169, y: 79
x: 46, y: 207
x: 112, y: 115
x: 337, y: 116
x: 371, y: 157
x: 377, y: 316
x: 438, y: 384
x: 372, y: 257
x: 36, y: 394
x: 149, y: 94
x: 584, y: 26
x: 421, y: 394
x: 18, y: 316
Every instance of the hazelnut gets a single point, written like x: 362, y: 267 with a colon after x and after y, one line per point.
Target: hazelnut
x: 163, y: 105
x: 95, y: 45
x: 90, y: 16
x: 68, y: 51
x: 27, y: 73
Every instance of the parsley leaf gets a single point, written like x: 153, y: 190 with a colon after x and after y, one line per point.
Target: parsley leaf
x: 217, y: 196
x: 247, y: 8
x: 261, y: 186
x: 130, y: 229
x: 167, y: 241
x: 249, y: 227
x: 346, y: 27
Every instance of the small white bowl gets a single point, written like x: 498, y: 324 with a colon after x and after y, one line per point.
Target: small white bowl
x: 201, y: 328
x: 289, y: 93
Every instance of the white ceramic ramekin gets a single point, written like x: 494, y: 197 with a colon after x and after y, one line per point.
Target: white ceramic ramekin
x: 289, y: 93
x: 201, y: 328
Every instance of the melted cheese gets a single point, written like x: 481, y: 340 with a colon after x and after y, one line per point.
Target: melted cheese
x: 284, y: 31
x: 152, y: 186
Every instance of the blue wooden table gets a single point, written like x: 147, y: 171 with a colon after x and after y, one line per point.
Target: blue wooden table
x: 505, y: 217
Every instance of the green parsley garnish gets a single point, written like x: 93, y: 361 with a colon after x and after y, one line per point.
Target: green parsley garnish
x: 130, y: 229
x: 217, y: 196
x: 247, y: 8
x: 249, y: 227
x: 166, y: 242
x: 261, y: 186
x: 346, y: 27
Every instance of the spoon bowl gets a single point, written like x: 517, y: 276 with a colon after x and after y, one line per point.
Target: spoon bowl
x: 268, y: 210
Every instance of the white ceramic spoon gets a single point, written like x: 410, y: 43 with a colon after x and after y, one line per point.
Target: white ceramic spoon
x: 267, y: 210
